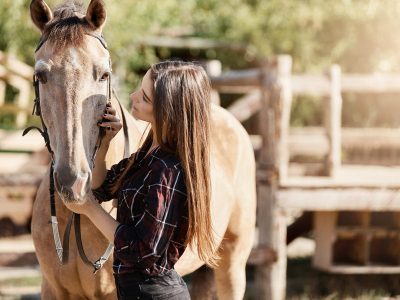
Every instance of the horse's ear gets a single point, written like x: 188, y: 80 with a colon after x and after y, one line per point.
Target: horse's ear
x: 40, y: 13
x: 96, y: 14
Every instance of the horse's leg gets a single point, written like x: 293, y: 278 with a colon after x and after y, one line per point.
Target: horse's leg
x: 203, y: 284
x: 47, y: 292
x: 230, y: 275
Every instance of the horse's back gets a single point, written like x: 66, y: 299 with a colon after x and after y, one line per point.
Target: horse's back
x: 232, y: 151
x: 233, y: 175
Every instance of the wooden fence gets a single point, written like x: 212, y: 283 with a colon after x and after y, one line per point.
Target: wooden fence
x: 269, y: 91
x: 18, y: 75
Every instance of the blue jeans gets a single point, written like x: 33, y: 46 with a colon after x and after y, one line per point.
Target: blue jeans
x: 137, y: 286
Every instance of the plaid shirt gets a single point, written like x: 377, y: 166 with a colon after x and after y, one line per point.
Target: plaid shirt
x: 152, y: 212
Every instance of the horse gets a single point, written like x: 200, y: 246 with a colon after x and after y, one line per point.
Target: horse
x: 73, y: 67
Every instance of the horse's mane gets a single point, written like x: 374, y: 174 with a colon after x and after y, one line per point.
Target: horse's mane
x: 66, y: 28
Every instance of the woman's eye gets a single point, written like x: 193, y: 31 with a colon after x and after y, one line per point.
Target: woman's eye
x: 104, y: 77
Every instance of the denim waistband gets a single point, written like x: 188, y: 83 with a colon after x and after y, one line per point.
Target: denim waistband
x: 140, y: 277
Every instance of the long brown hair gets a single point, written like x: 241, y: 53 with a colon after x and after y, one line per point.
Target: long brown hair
x: 181, y: 110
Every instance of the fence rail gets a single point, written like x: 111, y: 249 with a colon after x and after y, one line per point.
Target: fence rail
x: 243, y: 81
x: 18, y: 75
x: 269, y: 91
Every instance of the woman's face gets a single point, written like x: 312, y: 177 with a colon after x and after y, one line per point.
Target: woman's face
x: 142, y: 100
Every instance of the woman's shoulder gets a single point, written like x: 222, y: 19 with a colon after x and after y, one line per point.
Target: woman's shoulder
x: 163, y: 160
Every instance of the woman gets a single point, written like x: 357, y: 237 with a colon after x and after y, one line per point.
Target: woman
x: 163, y: 189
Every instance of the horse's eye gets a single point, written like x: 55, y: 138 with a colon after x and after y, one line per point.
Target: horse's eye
x: 105, y: 76
x: 41, y: 76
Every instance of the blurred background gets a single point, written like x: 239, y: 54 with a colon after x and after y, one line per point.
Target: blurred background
x: 360, y: 36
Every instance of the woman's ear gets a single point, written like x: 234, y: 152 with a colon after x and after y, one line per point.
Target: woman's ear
x: 41, y: 14
x: 96, y: 14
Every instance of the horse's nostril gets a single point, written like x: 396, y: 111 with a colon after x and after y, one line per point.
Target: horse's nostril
x: 72, y: 187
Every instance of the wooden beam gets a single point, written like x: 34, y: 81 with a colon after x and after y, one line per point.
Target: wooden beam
x: 324, y: 229
x: 311, y: 84
x: 246, y: 106
x: 270, y: 278
x: 17, y: 203
x: 250, y: 77
x: 346, y: 269
x: 319, y: 85
x: 3, y: 72
x: 333, y: 123
x: 11, y: 181
x: 2, y: 92
x: 285, y: 104
x: 340, y: 199
x: 16, y: 66
x: 23, y: 97
x: 10, y: 108
x: 360, y: 176
x: 371, y: 83
x: 237, y: 89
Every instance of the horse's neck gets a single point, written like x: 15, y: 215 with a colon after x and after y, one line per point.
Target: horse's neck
x: 135, y: 131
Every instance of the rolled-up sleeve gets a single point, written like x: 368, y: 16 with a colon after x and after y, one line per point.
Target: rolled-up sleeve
x: 140, y: 244
x: 104, y: 191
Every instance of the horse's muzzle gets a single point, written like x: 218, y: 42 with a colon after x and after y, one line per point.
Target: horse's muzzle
x: 72, y: 188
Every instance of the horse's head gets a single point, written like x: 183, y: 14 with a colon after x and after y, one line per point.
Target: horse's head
x: 72, y: 66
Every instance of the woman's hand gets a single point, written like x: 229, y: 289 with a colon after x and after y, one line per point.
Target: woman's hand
x: 97, y: 215
x: 84, y: 208
x: 110, y: 122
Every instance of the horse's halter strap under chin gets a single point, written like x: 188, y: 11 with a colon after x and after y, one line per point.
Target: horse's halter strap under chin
x: 62, y: 252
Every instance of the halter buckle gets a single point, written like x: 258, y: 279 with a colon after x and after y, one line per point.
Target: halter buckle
x: 97, y: 266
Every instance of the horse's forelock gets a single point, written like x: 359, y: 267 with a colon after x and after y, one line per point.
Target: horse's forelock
x: 67, y: 28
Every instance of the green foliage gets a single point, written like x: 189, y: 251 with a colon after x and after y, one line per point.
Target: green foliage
x: 362, y: 36
x: 307, y: 111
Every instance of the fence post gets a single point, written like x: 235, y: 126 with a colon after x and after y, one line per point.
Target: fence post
x: 333, y: 122
x: 270, y: 278
x: 22, y: 100
x: 284, y: 67
x: 2, y: 92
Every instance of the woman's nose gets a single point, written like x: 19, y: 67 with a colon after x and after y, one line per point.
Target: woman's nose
x: 133, y: 97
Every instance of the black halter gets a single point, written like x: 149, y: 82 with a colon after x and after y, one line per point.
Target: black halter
x: 62, y: 249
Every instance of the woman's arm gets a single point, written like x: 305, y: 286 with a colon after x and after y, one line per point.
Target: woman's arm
x: 102, y: 220
x: 97, y: 215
